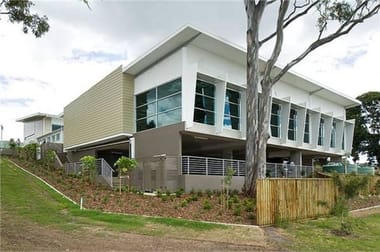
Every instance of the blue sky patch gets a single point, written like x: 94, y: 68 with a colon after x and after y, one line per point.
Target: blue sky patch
x: 98, y: 56
x: 21, y: 102
x: 351, y: 57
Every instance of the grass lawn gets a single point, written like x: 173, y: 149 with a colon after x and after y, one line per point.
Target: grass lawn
x: 316, y: 235
x: 29, y: 198
x: 25, y: 198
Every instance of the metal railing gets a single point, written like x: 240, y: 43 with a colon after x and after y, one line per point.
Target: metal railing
x: 288, y: 171
x: 192, y: 165
x: 103, y: 169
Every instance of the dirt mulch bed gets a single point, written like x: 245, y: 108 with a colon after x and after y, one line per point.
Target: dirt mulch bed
x: 195, y: 206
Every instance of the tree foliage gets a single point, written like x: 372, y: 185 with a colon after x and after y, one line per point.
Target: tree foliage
x: 367, y: 126
x: 18, y: 11
x: 345, y: 15
x: 89, y: 167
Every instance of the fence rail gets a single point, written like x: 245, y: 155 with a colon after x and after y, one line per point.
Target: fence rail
x: 192, y: 165
x: 103, y: 169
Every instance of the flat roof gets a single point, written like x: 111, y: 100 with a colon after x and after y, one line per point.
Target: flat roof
x: 37, y: 116
x: 190, y: 35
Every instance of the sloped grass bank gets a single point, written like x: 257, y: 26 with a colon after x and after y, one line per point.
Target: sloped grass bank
x: 28, y: 199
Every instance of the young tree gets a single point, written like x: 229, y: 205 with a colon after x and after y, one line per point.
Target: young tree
x: 125, y: 165
x: 89, y: 167
x: 346, y: 14
x: 367, y: 126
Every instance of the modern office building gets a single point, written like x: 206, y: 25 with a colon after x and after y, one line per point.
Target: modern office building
x: 42, y: 127
x: 179, y: 109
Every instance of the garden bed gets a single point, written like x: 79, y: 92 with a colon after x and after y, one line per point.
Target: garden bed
x: 197, y: 205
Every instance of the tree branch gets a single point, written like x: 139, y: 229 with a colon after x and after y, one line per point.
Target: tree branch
x: 279, y: 40
x: 288, y: 22
x: 344, y: 29
x: 295, y: 7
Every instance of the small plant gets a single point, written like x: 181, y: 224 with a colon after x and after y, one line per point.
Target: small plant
x: 208, y: 193
x: 184, y: 203
x: 249, y: 205
x: 159, y: 193
x: 193, y: 197
x: 49, y: 159
x: 89, y: 167
x: 237, y: 210
x: 179, y: 193
x: 200, y: 193
x: 164, y: 198
x: 125, y: 165
x: 168, y: 193
x: 234, y: 192
x: 207, y: 205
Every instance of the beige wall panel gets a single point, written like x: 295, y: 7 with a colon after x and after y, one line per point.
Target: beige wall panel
x: 128, y: 103
x: 97, y: 113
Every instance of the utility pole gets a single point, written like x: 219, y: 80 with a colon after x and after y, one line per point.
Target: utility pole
x: 2, y: 128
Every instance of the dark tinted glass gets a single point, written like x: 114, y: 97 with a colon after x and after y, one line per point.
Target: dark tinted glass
x: 169, y: 88
x: 205, y: 88
x: 202, y: 116
x: 146, y: 97
x: 169, y: 103
x: 204, y: 102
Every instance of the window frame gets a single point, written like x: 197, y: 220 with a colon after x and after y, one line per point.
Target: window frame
x: 155, y: 117
x: 230, y: 116
x: 278, y: 115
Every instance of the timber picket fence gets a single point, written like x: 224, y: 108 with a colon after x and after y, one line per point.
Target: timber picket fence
x: 290, y: 199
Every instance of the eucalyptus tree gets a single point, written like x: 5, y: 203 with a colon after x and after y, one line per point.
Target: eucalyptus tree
x: 342, y: 15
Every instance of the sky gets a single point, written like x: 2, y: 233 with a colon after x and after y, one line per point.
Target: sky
x: 83, y: 45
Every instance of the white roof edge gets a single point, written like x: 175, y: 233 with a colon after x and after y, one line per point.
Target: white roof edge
x: 38, y: 114
x: 354, y: 101
x: 156, y: 46
x: 97, y: 141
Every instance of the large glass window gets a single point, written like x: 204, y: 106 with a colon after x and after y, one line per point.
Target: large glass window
x: 204, y: 107
x: 292, y: 129
x: 232, y: 110
x: 159, y: 106
x: 275, y: 120
x: 306, y: 135
x: 321, y: 133
x: 333, y: 135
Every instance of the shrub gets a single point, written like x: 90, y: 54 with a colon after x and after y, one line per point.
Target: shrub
x: 179, y: 192
x: 208, y: 193
x: 193, y: 197
x: 237, y: 210
x: 249, y: 205
x: 89, y: 167
x: 200, y: 193
x: 207, y: 205
x: 184, y: 203
x: 159, y: 193
x: 168, y: 193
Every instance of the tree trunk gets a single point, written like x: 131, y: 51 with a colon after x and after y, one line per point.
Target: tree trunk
x: 254, y: 13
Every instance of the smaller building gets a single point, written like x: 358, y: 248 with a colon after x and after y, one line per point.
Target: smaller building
x: 42, y: 128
